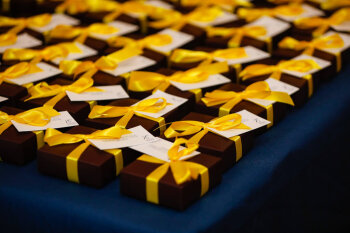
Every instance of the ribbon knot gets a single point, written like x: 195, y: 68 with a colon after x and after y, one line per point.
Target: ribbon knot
x: 145, y: 81
x: 236, y: 34
x: 37, y: 117
x: 322, y: 24
x: 189, y: 56
x: 149, y: 41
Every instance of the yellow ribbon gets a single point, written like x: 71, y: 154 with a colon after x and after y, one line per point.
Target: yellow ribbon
x: 236, y: 34
x: 145, y: 81
x: 18, y: 70
x: 253, y: 14
x: 80, y: 6
x: 333, y: 4
x: 81, y: 33
x: 48, y: 54
x: 322, y: 24
x: 325, y: 42
x: 152, y: 105
x: 149, y: 41
x: 36, y: 117
x: 233, y: 4
x: 176, y: 20
x: 229, y: 99
x: 189, y: 56
x: 54, y: 137
x: 181, y: 170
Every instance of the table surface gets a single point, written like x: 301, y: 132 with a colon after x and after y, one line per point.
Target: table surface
x: 31, y: 202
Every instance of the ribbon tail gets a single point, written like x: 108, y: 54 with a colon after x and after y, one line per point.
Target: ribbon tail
x: 5, y: 126
x: 198, y: 136
x: 123, y: 122
x: 280, y: 97
x: 52, y: 102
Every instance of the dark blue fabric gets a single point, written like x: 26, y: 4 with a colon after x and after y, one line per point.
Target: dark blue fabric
x: 30, y: 202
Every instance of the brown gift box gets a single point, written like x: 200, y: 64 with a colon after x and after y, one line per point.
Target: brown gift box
x: 13, y: 92
x: 18, y: 147
x: 96, y: 167
x: 179, y: 197
x: 217, y: 145
x: 279, y: 109
x: 78, y: 109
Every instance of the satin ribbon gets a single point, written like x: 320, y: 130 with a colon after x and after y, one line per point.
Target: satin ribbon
x: 189, y: 56
x: 18, y: 70
x: 333, y: 4
x: 145, y: 81
x: 233, y: 4
x: 323, y: 24
x: 182, y: 170
x: 152, y: 105
x: 176, y: 20
x: 333, y: 41
x: 229, y: 99
x: 253, y: 14
x: 236, y: 34
x: 42, y: 90
x: 54, y: 137
x: 149, y: 41
x: 48, y: 54
x: 36, y: 117
x: 81, y: 33
x: 21, y: 23
x: 89, y: 68
x: 80, y: 6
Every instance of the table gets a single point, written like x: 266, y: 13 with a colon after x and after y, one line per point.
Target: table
x: 307, y: 150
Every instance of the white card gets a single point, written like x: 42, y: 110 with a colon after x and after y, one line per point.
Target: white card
x: 225, y: 17
x: 112, y: 92
x: 47, y: 72
x: 23, y: 41
x: 272, y: 26
x: 249, y: 119
x: 57, y: 19
x: 276, y: 85
x: 139, y: 136
x: 85, y: 52
x: 61, y: 121
x: 2, y: 99
x: 173, y: 100
x: 343, y: 27
x: 322, y: 63
x: 123, y: 28
x: 213, y: 80
x: 159, y: 149
x: 178, y: 39
x: 346, y: 40
x: 309, y: 11
x: 131, y: 64
x: 253, y: 54
x: 159, y: 4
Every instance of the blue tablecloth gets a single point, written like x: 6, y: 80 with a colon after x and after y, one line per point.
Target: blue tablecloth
x: 31, y: 202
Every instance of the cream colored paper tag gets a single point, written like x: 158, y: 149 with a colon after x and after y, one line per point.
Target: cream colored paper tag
x: 253, y: 53
x: 57, y: 19
x: 213, y: 80
x: 109, y: 93
x: 24, y: 41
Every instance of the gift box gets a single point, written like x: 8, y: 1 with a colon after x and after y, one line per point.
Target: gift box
x: 18, y: 8
x: 18, y: 147
x: 141, y: 179
x: 93, y: 167
x: 12, y: 92
x: 231, y: 149
x: 232, y: 98
x: 78, y: 109
x: 237, y: 58
x: 333, y: 47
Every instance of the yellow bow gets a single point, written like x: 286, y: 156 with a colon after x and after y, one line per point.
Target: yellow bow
x: 152, y: 105
x: 21, y: 23
x: 325, y: 42
x: 19, y: 70
x: 333, y: 4
x: 149, y: 41
x: 42, y: 90
x: 236, y: 34
x: 253, y: 14
x: 229, y: 99
x: 145, y: 81
x: 190, y: 56
x: 37, y: 117
x: 69, y: 32
x: 80, y: 6
x: 48, y: 54
x: 54, y: 137
x: 322, y: 24
x: 184, y: 128
x: 176, y: 20
x: 109, y: 62
x: 181, y: 170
